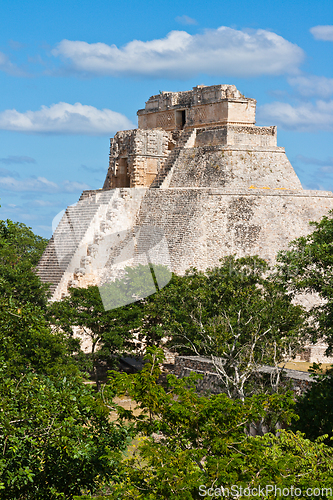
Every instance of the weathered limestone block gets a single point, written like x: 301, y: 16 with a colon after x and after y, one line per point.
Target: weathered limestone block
x: 230, y: 135
x: 235, y: 167
x: 136, y: 156
x: 201, y: 106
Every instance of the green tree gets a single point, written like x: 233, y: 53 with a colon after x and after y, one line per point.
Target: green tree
x: 20, y: 251
x: 110, y: 331
x: 315, y: 408
x: 112, y: 315
x: 308, y: 267
x: 56, y: 438
x: 232, y: 313
x: 188, y: 441
x: 27, y: 342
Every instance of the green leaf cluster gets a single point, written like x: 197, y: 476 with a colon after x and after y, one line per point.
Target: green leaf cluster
x: 308, y: 267
x: 20, y: 251
x: 56, y: 439
x: 27, y: 342
x: 315, y: 408
x: 188, y: 440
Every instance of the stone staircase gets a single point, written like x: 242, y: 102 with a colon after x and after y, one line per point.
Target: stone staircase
x: 185, y: 138
x: 67, y: 237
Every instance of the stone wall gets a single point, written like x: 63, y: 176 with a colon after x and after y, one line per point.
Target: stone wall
x: 184, y: 365
x: 234, y: 168
x: 200, y: 225
x: 314, y: 353
x: 86, y: 236
x: 200, y: 107
x: 230, y: 135
x: 204, y: 225
x: 136, y: 156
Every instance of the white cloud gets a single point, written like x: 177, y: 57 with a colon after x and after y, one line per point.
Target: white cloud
x: 221, y: 52
x: 8, y: 67
x: 305, y: 117
x: 328, y: 163
x: 17, y: 159
x: 43, y: 203
x: 30, y: 184
x: 185, y: 20
x: 323, y: 32
x: 64, y: 118
x: 312, y: 85
x: 40, y: 184
x: 15, y: 45
x: 72, y: 186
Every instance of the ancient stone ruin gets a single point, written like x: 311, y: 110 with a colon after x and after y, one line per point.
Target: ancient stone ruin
x: 174, y: 127
x: 196, y: 181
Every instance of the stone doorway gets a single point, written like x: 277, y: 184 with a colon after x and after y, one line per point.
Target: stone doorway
x: 123, y: 177
x: 180, y: 118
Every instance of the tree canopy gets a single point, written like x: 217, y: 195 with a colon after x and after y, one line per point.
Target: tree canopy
x: 20, y: 251
x: 110, y: 332
x: 56, y: 438
x: 234, y: 312
x: 193, y: 444
x: 27, y: 342
x: 307, y: 266
x: 315, y: 408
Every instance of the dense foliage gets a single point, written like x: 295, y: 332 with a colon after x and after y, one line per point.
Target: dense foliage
x: 308, y: 267
x: 234, y: 312
x: 110, y: 331
x: 191, y: 443
x: 20, y: 251
x: 55, y: 433
x: 315, y: 408
x: 27, y: 342
x: 56, y: 438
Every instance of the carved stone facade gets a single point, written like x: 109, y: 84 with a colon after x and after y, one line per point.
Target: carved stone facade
x: 136, y: 156
x: 220, y: 114
x: 201, y: 107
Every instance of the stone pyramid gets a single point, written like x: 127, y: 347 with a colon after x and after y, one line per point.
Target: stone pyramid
x: 196, y: 181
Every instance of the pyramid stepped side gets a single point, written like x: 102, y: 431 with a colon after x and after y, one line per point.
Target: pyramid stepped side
x: 49, y: 269
x: 211, y: 163
x: 67, y: 237
x: 94, y: 238
x: 172, y: 158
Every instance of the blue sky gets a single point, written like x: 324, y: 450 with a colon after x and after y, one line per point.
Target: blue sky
x: 72, y: 73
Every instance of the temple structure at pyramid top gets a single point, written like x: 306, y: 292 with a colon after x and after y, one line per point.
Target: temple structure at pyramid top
x: 200, y: 107
x: 172, y: 122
